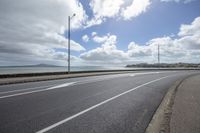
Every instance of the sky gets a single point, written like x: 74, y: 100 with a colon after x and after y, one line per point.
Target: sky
x: 103, y: 32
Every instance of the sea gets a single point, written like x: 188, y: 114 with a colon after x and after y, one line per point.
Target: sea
x: 40, y: 69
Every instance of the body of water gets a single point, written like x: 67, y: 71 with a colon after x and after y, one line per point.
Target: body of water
x: 17, y: 70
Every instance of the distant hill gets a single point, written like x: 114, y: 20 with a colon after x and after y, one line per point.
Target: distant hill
x: 165, y: 65
x: 36, y: 65
x: 44, y: 65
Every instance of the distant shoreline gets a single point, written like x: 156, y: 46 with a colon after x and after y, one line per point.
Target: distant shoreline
x: 35, y: 69
x: 164, y: 65
x: 48, y: 69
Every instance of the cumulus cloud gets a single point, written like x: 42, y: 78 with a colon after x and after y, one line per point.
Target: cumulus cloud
x: 104, y: 9
x: 136, y: 8
x: 184, y: 47
x: 35, y: 28
x: 32, y: 31
x: 120, y: 9
x: 85, y: 38
x: 189, y: 35
x: 94, y: 21
x: 125, y: 9
x: 93, y: 34
x: 106, y: 52
x: 136, y: 50
x: 102, y: 39
x: 109, y: 53
x: 190, y: 29
x: 184, y: 1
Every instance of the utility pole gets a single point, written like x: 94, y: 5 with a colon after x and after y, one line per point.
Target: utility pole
x: 158, y: 54
x: 69, y: 44
x: 69, y: 35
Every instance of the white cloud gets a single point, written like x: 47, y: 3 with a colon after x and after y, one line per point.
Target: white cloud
x: 33, y: 31
x: 58, y: 41
x: 85, y: 38
x: 105, y: 8
x: 185, y: 47
x: 190, y: 29
x: 100, y: 39
x: 136, y: 8
x: 189, y: 42
x: 169, y: 51
x: 125, y: 9
x: 190, y: 35
x: 184, y: 1
x: 35, y: 27
x: 136, y: 50
x: 107, y: 39
x: 94, y: 21
x: 94, y: 34
x: 107, y: 52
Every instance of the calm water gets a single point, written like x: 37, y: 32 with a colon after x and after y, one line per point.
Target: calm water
x: 15, y: 70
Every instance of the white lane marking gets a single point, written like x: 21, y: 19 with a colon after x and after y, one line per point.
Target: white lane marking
x: 100, y: 79
x: 80, y: 82
x: 5, y: 92
x: 116, y: 76
x: 95, y: 106
x: 46, y: 89
x: 135, y: 74
x: 77, y: 83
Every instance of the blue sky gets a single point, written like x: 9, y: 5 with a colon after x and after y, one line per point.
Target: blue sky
x: 124, y: 31
x: 161, y: 19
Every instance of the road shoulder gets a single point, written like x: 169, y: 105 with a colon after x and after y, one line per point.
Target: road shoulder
x: 161, y: 119
x: 186, y: 110
x: 174, y: 111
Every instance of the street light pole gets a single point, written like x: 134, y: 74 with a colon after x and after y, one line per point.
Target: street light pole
x: 69, y: 44
x: 69, y: 35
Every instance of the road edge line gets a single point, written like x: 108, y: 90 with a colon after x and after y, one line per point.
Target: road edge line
x: 36, y: 91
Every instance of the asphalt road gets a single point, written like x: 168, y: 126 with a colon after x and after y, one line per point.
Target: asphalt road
x: 120, y: 103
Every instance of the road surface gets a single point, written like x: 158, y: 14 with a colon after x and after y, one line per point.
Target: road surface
x: 120, y: 103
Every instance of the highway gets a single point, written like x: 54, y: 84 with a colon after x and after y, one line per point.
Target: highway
x: 118, y: 103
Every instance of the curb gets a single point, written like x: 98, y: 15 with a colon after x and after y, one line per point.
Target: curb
x: 160, y: 122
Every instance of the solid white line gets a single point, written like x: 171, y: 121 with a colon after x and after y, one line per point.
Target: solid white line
x: 97, y: 80
x: 116, y: 76
x: 135, y: 74
x: 46, y: 89
x: 93, y: 107
x: 5, y: 92
x: 77, y: 83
